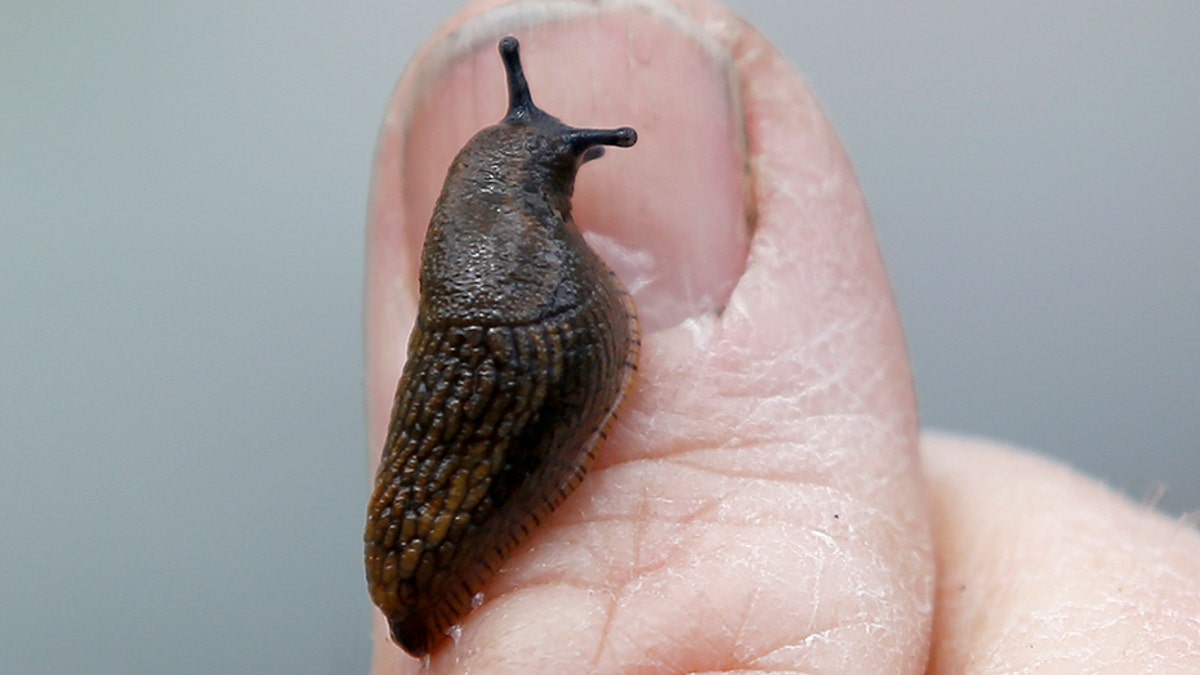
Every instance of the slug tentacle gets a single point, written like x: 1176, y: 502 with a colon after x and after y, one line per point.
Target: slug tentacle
x: 520, y: 101
x: 524, y: 347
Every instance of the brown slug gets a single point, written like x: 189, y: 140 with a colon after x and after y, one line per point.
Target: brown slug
x: 524, y: 347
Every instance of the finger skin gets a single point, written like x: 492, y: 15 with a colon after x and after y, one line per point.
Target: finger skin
x: 759, y: 505
x: 1044, y: 570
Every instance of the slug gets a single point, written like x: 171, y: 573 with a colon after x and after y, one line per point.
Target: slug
x: 524, y: 347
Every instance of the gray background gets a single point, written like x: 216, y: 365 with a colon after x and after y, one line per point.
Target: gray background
x: 182, y: 194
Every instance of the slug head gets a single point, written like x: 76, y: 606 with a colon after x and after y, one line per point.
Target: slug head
x: 502, y: 246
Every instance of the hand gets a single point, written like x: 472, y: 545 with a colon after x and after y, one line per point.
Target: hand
x: 766, y: 502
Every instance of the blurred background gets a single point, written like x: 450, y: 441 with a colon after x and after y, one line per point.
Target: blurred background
x: 182, y: 194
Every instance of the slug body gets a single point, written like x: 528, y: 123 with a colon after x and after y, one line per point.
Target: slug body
x: 524, y: 347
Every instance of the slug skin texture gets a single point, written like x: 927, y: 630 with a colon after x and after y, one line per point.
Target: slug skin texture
x: 524, y: 347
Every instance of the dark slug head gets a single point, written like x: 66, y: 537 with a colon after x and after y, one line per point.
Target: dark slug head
x: 501, y: 245
x: 530, y: 146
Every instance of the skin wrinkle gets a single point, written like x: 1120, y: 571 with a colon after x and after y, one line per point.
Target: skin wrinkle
x: 642, y: 535
x: 739, y: 629
x: 665, y: 450
x: 820, y: 388
x: 703, y: 506
x: 583, y: 600
x: 771, y: 496
x: 758, y: 417
x: 783, y: 653
x: 748, y: 474
x: 603, y: 635
x: 667, y: 552
x: 807, y: 548
x: 798, y: 547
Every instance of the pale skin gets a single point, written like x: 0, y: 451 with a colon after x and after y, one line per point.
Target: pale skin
x: 766, y: 502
